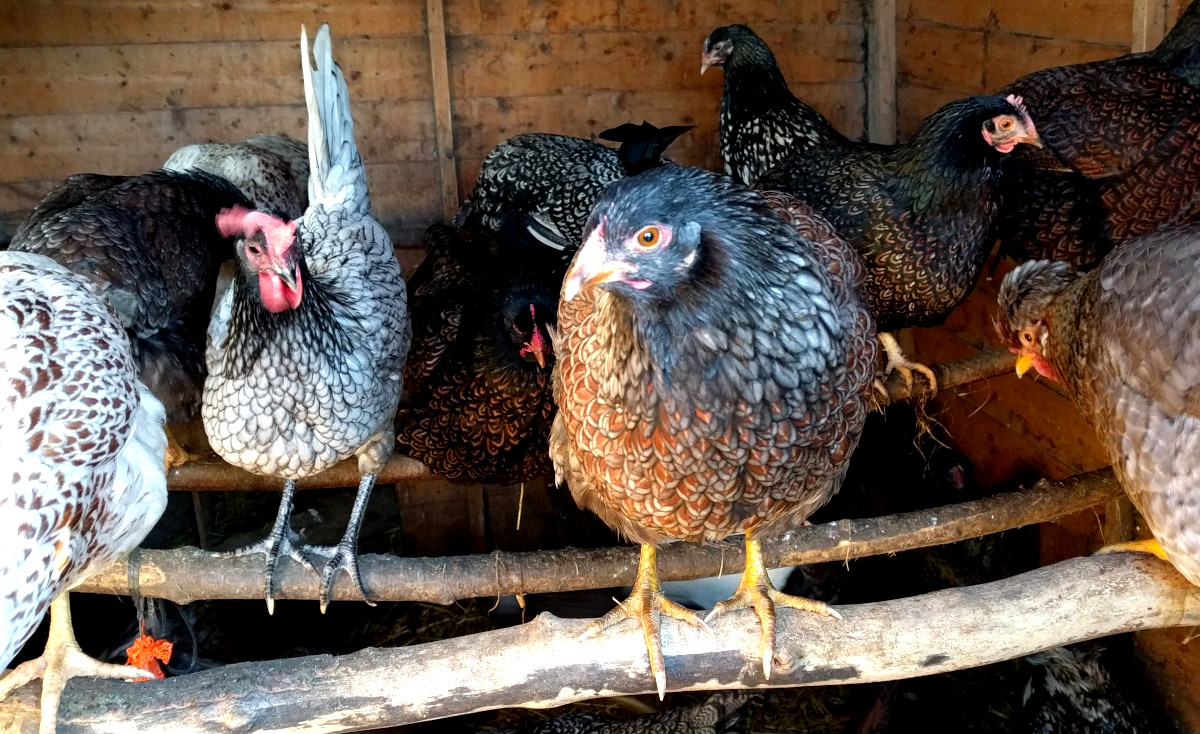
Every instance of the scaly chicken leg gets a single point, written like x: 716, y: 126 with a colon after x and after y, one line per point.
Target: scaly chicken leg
x: 281, y: 539
x: 345, y: 553
x: 755, y: 591
x: 897, y: 362
x: 61, y: 661
x: 647, y: 604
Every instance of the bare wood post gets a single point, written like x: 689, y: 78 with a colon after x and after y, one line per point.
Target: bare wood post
x: 542, y: 664
x: 186, y: 574
x: 881, y: 71
x: 1149, y: 24
x: 443, y: 119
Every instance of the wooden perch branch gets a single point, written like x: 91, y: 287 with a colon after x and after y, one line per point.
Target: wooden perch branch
x: 542, y: 665
x: 214, y: 474
x: 186, y: 574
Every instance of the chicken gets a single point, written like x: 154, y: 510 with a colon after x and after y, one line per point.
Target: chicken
x: 480, y: 402
x: 1122, y: 154
x: 713, y: 376
x: 920, y: 214
x: 762, y: 123
x: 306, y: 348
x: 1124, y: 341
x: 1070, y: 691
x: 271, y: 170
x: 83, y: 445
x: 151, y: 247
x: 555, y: 179
x: 722, y: 713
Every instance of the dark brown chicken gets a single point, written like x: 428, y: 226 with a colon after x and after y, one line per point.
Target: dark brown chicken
x: 714, y: 365
x: 1122, y: 155
x: 920, y: 214
x: 151, y: 247
x: 478, y: 382
x: 1124, y: 340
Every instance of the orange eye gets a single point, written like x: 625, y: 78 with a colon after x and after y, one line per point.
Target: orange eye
x: 1027, y: 336
x: 1006, y: 125
x: 649, y: 236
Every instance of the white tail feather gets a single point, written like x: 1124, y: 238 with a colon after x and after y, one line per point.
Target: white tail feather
x: 336, y: 170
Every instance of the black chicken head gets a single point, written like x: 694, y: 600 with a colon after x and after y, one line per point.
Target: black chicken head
x: 527, y: 315
x: 721, y: 44
x: 267, y: 247
x: 644, y: 236
x: 1010, y: 128
x: 1025, y: 298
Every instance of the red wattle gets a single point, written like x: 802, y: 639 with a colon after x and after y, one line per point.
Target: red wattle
x: 276, y: 296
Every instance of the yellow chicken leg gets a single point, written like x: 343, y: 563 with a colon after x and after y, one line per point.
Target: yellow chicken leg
x: 647, y: 604
x: 897, y: 362
x: 1150, y: 545
x: 61, y: 661
x: 755, y: 591
x: 176, y: 455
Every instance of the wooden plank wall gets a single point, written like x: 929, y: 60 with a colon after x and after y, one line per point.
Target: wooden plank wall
x: 115, y: 85
x: 948, y: 49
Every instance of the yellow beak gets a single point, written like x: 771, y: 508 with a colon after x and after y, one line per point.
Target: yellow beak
x: 1024, y: 363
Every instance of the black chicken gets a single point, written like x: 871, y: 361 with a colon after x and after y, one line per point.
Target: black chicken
x: 762, y: 122
x: 151, y: 246
x: 713, y: 376
x: 722, y: 713
x: 555, y: 179
x: 920, y: 214
x: 1122, y: 154
x: 478, y: 382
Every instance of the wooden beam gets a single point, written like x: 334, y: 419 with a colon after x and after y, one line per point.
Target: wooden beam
x: 187, y: 574
x: 1149, y: 24
x: 443, y: 119
x: 881, y: 71
x: 542, y: 664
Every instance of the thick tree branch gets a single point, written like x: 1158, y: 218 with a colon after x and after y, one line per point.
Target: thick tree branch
x: 187, y: 574
x: 214, y: 474
x: 541, y: 664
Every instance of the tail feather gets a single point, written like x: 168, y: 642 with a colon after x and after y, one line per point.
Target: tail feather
x: 642, y: 145
x: 335, y: 169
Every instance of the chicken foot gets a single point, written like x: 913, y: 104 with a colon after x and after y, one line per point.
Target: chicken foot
x: 1149, y: 545
x: 345, y: 553
x: 61, y: 661
x: 756, y: 591
x: 897, y: 362
x: 647, y: 604
x: 281, y: 539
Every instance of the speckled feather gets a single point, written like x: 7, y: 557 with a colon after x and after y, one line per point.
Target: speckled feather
x: 293, y: 393
x: 722, y: 713
x: 1123, y: 153
x: 1070, y: 691
x: 477, y: 411
x: 920, y: 214
x: 83, y: 441
x: 762, y: 123
x: 270, y: 170
x: 734, y: 403
x: 151, y: 247
x: 1125, y: 340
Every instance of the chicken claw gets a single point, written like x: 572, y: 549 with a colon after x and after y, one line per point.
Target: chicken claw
x: 755, y: 591
x: 345, y: 553
x: 61, y: 661
x: 647, y: 604
x: 897, y: 362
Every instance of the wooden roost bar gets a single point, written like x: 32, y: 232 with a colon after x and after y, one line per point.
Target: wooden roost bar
x: 115, y: 86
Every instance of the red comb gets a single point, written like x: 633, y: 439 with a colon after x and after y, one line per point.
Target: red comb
x: 232, y: 221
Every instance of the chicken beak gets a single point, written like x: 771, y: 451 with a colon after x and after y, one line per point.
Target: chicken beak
x: 707, y: 60
x: 592, y: 267
x: 1024, y: 364
x: 289, y: 276
x: 539, y: 353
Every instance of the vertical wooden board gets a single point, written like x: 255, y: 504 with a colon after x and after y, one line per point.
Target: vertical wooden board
x: 1171, y: 659
x: 434, y: 518
x: 881, y: 72
x: 914, y: 103
x: 443, y: 118
x: 1149, y: 24
x: 975, y: 15
x: 1101, y: 21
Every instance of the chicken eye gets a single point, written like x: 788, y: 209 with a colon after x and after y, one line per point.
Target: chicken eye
x: 253, y: 248
x: 1006, y: 124
x: 1027, y: 336
x: 648, y: 236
